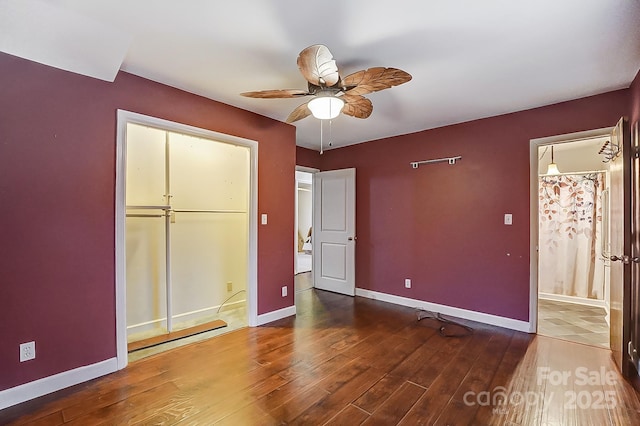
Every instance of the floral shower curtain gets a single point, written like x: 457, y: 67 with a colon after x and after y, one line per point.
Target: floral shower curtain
x: 570, y: 255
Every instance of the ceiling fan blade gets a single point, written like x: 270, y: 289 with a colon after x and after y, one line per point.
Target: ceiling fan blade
x: 285, y: 93
x: 299, y: 113
x: 356, y: 106
x: 317, y: 66
x: 374, y: 79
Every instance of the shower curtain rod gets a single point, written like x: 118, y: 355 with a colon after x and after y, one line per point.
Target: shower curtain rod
x: 573, y: 173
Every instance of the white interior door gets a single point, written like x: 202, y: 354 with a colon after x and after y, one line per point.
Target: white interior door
x: 334, y: 225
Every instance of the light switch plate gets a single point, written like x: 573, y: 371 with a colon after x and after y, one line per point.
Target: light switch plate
x: 508, y: 219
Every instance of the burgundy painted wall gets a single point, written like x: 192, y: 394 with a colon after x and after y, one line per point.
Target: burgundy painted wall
x: 307, y: 157
x: 634, y: 114
x: 57, y: 185
x: 442, y: 225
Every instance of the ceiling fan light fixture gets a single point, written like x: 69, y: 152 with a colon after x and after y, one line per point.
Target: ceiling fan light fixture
x: 325, y: 107
x: 333, y: 94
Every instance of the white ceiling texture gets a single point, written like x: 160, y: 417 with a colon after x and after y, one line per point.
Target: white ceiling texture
x: 469, y: 59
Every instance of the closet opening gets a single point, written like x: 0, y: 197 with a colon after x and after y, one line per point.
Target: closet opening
x: 186, y: 236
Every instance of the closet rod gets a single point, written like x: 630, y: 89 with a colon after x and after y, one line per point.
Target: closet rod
x: 148, y: 207
x: 207, y: 211
x: 182, y: 210
x: 145, y: 215
x: 450, y: 160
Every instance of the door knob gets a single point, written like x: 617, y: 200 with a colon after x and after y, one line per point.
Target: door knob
x: 625, y: 259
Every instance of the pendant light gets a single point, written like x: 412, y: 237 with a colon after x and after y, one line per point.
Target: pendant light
x: 552, y: 169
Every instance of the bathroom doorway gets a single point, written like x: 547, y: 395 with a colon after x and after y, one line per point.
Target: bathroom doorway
x: 573, y: 243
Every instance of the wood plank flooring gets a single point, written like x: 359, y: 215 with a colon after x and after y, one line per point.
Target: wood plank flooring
x: 345, y: 360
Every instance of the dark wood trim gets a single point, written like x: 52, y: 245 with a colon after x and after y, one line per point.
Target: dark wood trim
x: 634, y: 378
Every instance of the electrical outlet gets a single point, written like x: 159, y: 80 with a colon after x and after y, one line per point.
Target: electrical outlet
x: 229, y: 286
x: 27, y: 351
x: 407, y: 283
x: 284, y: 291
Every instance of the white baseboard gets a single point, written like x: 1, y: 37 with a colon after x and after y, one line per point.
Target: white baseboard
x: 509, y: 323
x: 573, y: 299
x: 46, y: 385
x: 276, y: 315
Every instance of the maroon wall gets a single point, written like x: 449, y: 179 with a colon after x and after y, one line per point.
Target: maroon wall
x: 307, y: 157
x: 635, y: 100
x: 442, y: 225
x: 57, y: 186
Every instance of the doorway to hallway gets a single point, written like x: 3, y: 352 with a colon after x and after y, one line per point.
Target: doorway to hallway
x: 303, y: 250
x: 304, y: 219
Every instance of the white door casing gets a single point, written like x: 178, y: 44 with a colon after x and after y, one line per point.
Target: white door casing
x: 334, y: 223
x: 534, y: 219
x: 298, y: 181
x: 124, y: 117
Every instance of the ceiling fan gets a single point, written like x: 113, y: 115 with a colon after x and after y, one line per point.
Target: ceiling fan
x: 331, y: 93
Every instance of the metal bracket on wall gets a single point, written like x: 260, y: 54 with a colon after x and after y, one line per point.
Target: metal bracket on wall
x: 450, y: 160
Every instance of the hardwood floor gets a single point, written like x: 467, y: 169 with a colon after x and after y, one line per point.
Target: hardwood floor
x: 303, y: 281
x: 345, y: 360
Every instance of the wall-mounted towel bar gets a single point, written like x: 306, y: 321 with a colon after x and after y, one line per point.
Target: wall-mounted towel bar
x: 450, y: 160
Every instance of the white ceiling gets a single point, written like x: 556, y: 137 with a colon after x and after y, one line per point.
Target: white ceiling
x: 469, y: 59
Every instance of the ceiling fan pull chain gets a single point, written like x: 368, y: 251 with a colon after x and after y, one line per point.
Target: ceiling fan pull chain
x: 321, y: 126
x: 330, y: 133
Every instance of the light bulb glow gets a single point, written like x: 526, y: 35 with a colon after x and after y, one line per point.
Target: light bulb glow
x: 553, y: 169
x: 325, y: 107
